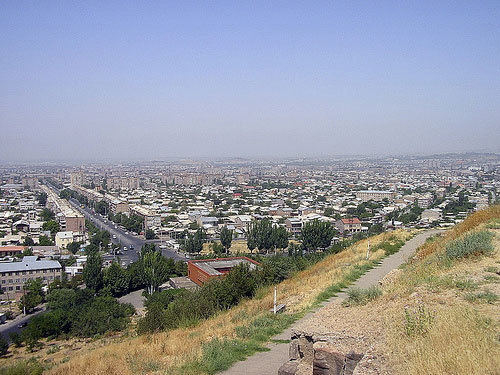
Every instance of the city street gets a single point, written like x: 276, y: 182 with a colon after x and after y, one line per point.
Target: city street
x: 12, y: 325
x: 122, y: 237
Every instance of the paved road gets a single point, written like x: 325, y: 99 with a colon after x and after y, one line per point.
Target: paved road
x: 268, y: 363
x: 122, y: 237
x: 12, y: 325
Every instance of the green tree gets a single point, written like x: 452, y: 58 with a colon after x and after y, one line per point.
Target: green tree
x: 73, y: 247
x: 116, y: 279
x: 32, y: 296
x: 280, y: 237
x: 45, y: 241
x: 92, y: 272
x: 51, y: 225
x: 16, y: 339
x: 150, y: 234
x: 28, y: 241
x: 194, y: 242
x: 217, y: 248
x: 155, y: 270
x: 47, y: 214
x: 42, y: 199
x: 226, y: 237
x: 4, y: 346
x: 317, y: 235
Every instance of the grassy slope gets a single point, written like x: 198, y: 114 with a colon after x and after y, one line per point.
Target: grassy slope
x: 214, y: 344
x: 452, y: 320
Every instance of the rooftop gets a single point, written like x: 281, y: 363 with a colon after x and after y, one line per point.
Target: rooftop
x: 219, y: 266
x: 29, y: 263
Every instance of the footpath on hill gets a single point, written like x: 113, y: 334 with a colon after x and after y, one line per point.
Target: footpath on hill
x: 268, y: 363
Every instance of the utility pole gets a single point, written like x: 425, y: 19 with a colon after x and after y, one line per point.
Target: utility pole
x: 275, y: 298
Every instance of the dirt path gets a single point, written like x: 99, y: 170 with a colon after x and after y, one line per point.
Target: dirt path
x: 268, y: 363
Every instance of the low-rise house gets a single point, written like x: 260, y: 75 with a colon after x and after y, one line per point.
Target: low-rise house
x: 63, y: 239
x: 11, y: 250
x: 348, y: 225
x: 202, y: 271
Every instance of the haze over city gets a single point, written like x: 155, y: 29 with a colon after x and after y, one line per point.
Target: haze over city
x: 132, y: 81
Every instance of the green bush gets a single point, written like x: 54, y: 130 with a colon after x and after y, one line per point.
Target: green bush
x: 16, y: 339
x: 475, y: 243
x: 358, y: 296
x: 31, y: 367
x: 4, y: 346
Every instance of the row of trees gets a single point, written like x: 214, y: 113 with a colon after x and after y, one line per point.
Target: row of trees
x: 133, y: 223
x: 263, y: 235
x: 149, y: 271
x: 171, y: 309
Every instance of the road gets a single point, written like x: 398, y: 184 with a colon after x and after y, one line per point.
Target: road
x: 12, y: 325
x: 122, y: 237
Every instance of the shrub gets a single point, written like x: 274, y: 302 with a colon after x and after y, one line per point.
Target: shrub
x: 155, y: 319
x: 357, y: 296
x: 475, y: 243
x: 484, y: 296
x: 16, y: 339
x: 30, y: 367
x: 4, y: 346
x: 418, y: 321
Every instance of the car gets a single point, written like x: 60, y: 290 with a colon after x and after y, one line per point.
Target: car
x: 125, y: 248
x: 22, y: 324
x: 114, y: 236
x: 131, y: 247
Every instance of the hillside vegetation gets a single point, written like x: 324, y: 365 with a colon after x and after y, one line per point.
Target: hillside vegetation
x: 444, y: 311
x: 214, y: 344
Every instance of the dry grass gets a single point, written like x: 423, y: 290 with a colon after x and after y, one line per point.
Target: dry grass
x: 165, y: 352
x: 460, y: 341
x: 472, y: 222
x: 462, y: 337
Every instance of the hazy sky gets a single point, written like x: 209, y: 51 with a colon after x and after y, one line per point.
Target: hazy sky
x: 151, y: 79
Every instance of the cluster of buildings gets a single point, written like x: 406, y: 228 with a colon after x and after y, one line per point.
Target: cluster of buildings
x: 355, y: 195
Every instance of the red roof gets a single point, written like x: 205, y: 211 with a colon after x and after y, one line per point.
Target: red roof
x: 11, y: 248
x: 351, y: 221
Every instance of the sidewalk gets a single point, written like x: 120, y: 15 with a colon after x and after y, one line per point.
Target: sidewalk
x: 268, y: 363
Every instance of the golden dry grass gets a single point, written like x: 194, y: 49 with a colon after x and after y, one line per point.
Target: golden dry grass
x: 463, y: 338
x: 163, y: 352
x: 472, y: 222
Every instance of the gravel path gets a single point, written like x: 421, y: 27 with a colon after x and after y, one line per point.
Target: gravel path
x: 268, y: 363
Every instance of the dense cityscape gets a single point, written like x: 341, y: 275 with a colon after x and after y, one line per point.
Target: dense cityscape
x: 249, y: 188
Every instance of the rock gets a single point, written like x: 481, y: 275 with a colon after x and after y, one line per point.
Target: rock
x: 288, y: 368
x: 390, y: 278
x: 351, y: 362
x: 293, y: 351
x: 327, y: 361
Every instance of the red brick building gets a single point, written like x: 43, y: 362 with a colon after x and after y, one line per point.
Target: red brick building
x: 202, y: 271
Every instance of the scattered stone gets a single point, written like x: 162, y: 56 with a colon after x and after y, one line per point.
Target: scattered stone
x: 288, y: 368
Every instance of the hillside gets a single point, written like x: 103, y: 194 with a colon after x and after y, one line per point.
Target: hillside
x: 214, y: 344
x: 437, y: 315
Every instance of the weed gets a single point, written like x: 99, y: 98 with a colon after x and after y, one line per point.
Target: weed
x: 470, y: 244
x: 492, y: 278
x: 53, y: 349
x: 418, y: 321
x: 357, y: 296
x: 484, y: 296
x: 491, y: 269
